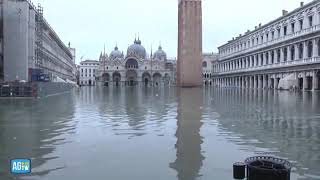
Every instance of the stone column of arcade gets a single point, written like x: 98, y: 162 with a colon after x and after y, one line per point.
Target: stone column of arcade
x: 264, y: 81
x: 305, y: 82
x: 259, y: 82
x: 275, y: 86
x: 252, y: 82
x: 315, y: 81
x: 269, y: 82
x: 315, y: 48
x: 249, y: 82
x: 305, y: 50
x: 255, y: 82
x: 296, y: 52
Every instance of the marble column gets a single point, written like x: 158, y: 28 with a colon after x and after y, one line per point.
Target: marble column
x: 269, y: 82
x: 255, y: 82
x: 305, y: 50
x: 296, y: 52
x: 243, y: 82
x: 288, y: 53
x: 276, y: 83
x: 281, y: 55
x: 249, y: 82
x: 315, y: 48
x: 270, y: 57
x: 259, y: 82
x: 305, y: 82
x: 315, y: 82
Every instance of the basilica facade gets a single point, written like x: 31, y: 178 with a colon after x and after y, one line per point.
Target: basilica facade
x: 136, y: 68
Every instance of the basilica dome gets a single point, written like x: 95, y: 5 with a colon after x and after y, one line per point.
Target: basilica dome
x: 115, y: 54
x: 160, y: 54
x: 136, y: 50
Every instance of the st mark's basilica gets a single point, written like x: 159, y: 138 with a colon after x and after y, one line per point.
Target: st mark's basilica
x: 135, y: 67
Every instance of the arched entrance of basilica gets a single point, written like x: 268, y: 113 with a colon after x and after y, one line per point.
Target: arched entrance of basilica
x: 131, y: 76
x: 157, y: 79
x: 116, y: 78
x: 105, y: 79
x: 146, y: 78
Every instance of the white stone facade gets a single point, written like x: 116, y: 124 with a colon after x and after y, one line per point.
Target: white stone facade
x: 262, y: 58
x: 136, y: 68
x: 87, y: 72
x: 30, y: 46
x: 208, y: 59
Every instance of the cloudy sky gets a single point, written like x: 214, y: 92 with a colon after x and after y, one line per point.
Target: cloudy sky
x: 89, y: 24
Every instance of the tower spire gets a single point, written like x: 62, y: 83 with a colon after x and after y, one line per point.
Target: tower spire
x: 151, y: 52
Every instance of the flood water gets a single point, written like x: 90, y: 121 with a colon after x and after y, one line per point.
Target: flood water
x: 159, y: 133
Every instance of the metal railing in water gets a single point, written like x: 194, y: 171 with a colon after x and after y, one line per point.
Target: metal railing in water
x: 13, y: 89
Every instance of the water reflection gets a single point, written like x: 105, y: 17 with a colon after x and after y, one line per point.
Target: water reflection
x: 33, y: 129
x: 189, y: 158
x: 278, y: 123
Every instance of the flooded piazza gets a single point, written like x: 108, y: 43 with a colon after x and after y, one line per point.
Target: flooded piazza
x: 159, y: 133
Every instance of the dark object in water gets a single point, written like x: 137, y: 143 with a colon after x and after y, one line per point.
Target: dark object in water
x: 239, y: 170
x: 267, y: 168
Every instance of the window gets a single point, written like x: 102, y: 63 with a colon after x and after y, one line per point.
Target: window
x: 257, y: 40
x: 301, y: 24
x: 310, y: 21
x: 292, y: 28
x: 89, y: 70
x: 267, y: 36
x: 204, y: 64
x: 267, y: 58
x: 257, y: 61
x: 261, y: 62
x: 278, y: 55
x: 252, y: 42
x: 279, y: 31
x: 272, y: 57
x: 261, y: 39
x: 272, y: 35
x: 285, y: 53
x: 292, y: 52
x: 300, y: 51
x: 285, y: 30
x: 252, y: 60
x: 81, y: 70
x: 319, y: 47
x: 310, y: 49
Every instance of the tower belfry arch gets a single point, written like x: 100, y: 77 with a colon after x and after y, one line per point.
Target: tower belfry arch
x: 189, y: 64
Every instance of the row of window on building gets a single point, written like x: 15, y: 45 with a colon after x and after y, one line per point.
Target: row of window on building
x: 255, y: 40
x: 292, y: 52
x: 87, y: 72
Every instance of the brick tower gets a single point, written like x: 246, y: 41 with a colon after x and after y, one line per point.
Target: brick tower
x: 189, y: 67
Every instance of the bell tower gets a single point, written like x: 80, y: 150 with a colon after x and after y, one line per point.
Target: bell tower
x: 189, y: 64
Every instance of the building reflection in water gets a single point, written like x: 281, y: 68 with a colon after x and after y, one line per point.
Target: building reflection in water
x: 284, y: 124
x: 33, y: 129
x: 188, y: 146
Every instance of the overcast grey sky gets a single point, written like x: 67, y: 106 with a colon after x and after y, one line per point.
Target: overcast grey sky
x: 89, y: 24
